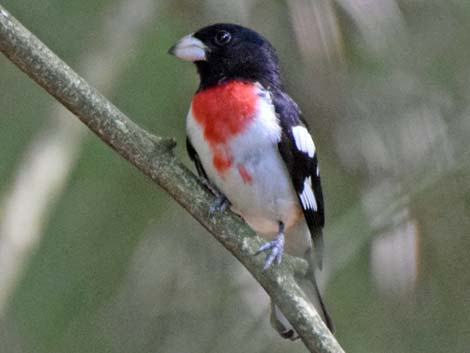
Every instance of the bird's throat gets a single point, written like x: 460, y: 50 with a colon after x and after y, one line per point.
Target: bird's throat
x: 223, y: 111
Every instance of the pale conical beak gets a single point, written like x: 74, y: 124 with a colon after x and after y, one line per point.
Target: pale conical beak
x: 189, y: 48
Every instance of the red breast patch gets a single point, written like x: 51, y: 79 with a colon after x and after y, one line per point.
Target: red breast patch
x: 223, y: 111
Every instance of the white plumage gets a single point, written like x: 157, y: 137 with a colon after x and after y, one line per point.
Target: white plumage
x: 270, y: 196
x: 307, y: 197
x: 303, y: 140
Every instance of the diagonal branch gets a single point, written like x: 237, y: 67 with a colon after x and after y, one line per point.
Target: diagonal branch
x: 154, y: 157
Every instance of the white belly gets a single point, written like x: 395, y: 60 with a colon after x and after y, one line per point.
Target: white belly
x: 268, y: 197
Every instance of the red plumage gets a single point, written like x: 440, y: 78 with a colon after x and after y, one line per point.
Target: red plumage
x: 224, y: 111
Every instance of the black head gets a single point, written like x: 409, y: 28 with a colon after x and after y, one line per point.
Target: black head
x: 224, y: 51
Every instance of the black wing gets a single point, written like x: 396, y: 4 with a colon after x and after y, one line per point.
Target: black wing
x: 298, y: 152
x: 195, y: 158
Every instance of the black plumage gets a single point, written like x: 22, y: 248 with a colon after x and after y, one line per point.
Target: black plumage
x: 300, y: 166
x: 195, y: 158
x: 248, y: 56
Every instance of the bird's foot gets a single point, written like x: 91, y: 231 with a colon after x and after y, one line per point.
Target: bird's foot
x: 220, y: 204
x: 276, y: 246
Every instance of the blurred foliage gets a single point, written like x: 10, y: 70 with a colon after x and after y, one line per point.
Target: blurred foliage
x: 120, y: 268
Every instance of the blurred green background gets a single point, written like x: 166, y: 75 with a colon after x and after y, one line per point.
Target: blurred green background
x: 95, y: 258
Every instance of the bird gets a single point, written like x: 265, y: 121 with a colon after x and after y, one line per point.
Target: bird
x: 253, y: 149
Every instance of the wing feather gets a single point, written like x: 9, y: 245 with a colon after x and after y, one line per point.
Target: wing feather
x: 195, y: 158
x: 299, y: 154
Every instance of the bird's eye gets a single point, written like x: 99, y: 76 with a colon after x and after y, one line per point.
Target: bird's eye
x: 222, y: 38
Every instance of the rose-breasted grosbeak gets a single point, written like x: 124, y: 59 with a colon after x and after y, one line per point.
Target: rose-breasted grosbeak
x: 247, y: 138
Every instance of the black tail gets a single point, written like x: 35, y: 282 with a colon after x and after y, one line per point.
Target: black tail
x: 310, y: 287
x: 311, y: 290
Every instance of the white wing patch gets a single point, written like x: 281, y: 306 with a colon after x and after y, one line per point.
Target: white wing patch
x: 303, y: 140
x: 307, y: 197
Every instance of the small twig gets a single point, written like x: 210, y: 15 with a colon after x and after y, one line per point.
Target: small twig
x: 153, y: 156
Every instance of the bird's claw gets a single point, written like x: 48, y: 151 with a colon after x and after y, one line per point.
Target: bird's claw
x: 277, y: 249
x: 220, y: 204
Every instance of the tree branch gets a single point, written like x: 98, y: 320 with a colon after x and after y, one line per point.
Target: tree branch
x: 153, y: 156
